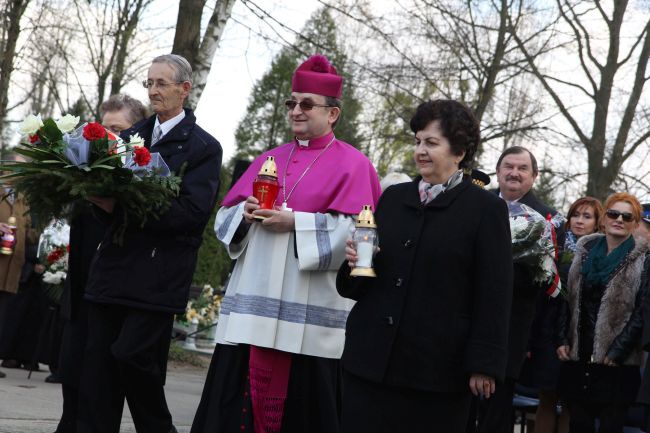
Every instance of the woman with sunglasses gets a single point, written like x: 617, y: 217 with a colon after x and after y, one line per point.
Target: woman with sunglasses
x: 542, y: 367
x: 600, y: 322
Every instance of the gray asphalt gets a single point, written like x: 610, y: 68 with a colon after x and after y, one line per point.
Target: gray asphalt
x: 33, y: 406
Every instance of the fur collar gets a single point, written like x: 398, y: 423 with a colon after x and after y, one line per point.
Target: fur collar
x: 617, y: 303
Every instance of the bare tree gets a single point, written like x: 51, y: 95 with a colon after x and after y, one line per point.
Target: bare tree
x: 609, y: 80
x: 188, y: 43
x: 12, y: 13
x: 451, y: 49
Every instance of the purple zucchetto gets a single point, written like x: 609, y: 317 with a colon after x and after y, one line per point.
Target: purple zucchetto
x: 316, y: 75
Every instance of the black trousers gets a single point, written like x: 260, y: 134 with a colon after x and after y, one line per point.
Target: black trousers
x: 495, y: 414
x: 125, y: 357
x: 370, y: 407
x: 584, y: 414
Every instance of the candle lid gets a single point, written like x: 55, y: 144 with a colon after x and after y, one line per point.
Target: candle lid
x: 269, y: 168
x: 11, y: 221
x: 366, y: 218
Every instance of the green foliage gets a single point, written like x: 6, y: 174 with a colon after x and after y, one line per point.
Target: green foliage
x: 213, y: 263
x: 265, y: 125
x: 391, y: 146
x: 52, y: 184
x: 182, y: 356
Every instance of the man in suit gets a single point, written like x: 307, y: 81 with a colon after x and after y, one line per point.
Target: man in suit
x: 135, y: 287
x: 516, y: 173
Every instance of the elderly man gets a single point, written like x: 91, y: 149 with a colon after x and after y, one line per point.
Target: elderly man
x: 282, y: 324
x: 135, y: 288
x: 516, y: 173
x: 119, y: 112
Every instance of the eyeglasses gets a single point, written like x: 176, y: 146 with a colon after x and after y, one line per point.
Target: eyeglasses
x: 614, y: 214
x: 147, y: 84
x: 305, y: 105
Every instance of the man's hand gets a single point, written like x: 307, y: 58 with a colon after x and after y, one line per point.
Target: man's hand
x: 4, y: 228
x: 481, y: 384
x: 39, y: 268
x: 563, y: 353
x: 107, y: 204
x: 251, y: 204
x: 276, y: 220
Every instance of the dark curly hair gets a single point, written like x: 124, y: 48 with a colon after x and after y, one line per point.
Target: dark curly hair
x: 457, y: 123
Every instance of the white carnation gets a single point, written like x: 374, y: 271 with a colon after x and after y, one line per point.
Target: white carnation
x: 54, y: 277
x: 67, y: 123
x: 31, y: 124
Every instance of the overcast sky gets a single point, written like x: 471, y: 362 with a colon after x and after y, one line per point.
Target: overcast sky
x: 242, y: 58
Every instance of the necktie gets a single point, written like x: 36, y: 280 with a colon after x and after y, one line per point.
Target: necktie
x: 157, y: 135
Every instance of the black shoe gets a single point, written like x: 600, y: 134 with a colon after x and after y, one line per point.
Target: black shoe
x: 11, y: 363
x: 2, y: 375
x: 52, y: 378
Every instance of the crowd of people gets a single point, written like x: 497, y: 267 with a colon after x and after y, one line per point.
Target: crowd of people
x: 438, y: 341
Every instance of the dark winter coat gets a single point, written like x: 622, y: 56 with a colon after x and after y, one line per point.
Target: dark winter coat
x: 525, y: 295
x: 617, y: 325
x: 438, y: 309
x: 644, y: 392
x: 609, y: 326
x: 153, y: 268
x: 87, y: 229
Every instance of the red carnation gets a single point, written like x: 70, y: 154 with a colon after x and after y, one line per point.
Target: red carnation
x: 94, y: 131
x: 55, y: 255
x: 141, y: 155
x: 33, y: 138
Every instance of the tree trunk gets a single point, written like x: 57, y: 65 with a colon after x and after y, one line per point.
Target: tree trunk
x: 209, y: 45
x: 187, y: 38
x: 13, y: 12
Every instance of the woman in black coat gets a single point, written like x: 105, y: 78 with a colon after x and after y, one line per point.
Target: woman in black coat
x: 600, y: 326
x: 433, y: 325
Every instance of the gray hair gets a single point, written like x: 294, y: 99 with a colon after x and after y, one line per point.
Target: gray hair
x: 180, y: 65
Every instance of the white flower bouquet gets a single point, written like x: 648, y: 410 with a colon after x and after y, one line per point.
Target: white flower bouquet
x: 53, y: 250
x: 534, y: 244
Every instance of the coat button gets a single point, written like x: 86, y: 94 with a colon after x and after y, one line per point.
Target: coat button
x: 398, y: 282
x: 389, y: 320
x: 180, y: 147
x: 408, y: 243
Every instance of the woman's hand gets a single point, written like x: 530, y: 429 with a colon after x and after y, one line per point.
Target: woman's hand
x: 563, y: 352
x: 351, y: 253
x: 251, y: 204
x: 4, y: 228
x: 481, y: 384
x: 39, y: 268
x: 608, y: 362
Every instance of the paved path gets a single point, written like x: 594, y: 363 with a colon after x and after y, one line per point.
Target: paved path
x: 33, y: 406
